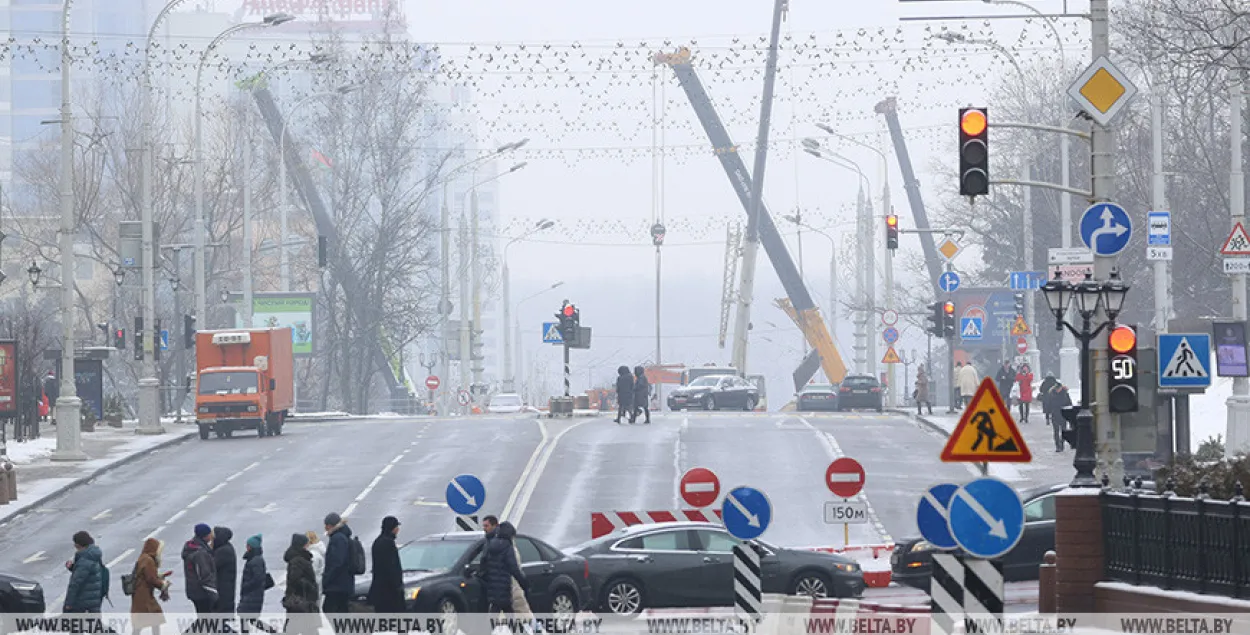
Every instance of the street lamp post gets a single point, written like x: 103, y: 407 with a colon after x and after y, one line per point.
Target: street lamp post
x: 1089, y: 297
x: 509, y: 383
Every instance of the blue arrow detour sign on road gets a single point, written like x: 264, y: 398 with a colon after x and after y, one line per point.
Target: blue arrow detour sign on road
x: 746, y: 513
x: 986, y: 517
x: 466, y: 494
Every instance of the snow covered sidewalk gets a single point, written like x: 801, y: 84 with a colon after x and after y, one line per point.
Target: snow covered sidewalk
x: 1047, y: 468
x: 40, y: 479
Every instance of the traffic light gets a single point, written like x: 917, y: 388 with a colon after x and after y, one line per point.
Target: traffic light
x: 104, y: 328
x: 1123, y: 392
x: 937, y: 321
x: 891, y: 231
x: 323, y: 252
x: 974, y: 152
x: 119, y: 339
x: 138, y: 339
x: 188, y: 332
x: 948, y: 319
x: 1019, y: 297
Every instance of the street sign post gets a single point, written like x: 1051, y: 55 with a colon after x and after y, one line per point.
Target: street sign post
x: 1022, y: 345
x: 1159, y: 229
x: 463, y: 398
x: 889, y: 317
x: 164, y: 339
x: 551, y: 333
x: 846, y: 512
x: 971, y: 328
x: 1027, y: 280
x: 746, y: 513
x: 931, y: 515
x: 986, y: 433
x: 1184, y: 360
x: 699, y: 487
x: 1020, y: 327
x: 845, y: 477
x: 890, y: 335
x: 1102, y: 91
x: 1073, y: 274
x: 1106, y: 228
x: 949, y: 281
x: 1069, y: 256
x: 891, y: 356
x: 949, y: 248
x: 1158, y: 253
x: 986, y: 517
x: 466, y: 494
x: 432, y: 382
x: 1237, y: 243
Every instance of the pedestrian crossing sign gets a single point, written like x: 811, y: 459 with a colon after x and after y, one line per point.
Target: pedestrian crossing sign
x: 551, y: 333
x: 1020, y: 327
x: 986, y: 433
x: 1184, y: 360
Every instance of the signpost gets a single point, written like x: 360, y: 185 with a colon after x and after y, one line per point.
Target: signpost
x: 889, y: 317
x: 1069, y: 256
x: 699, y: 487
x: 1102, y: 91
x: 971, y: 328
x: 932, y: 515
x: 986, y: 432
x: 551, y: 333
x: 1236, y: 251
x: 949, y: 281
x: 845, y: 477
x: 949, y: 249
x: 846, y: 512
x: 1027, y: 280
x: 890, y: 335
x: 1106, y: 228
x: 463, y: 398
x: 746, y: 513
x: 1184, y: 360
x: 432, y: 382
x: 986, y: 517
x: 1022, y: 345
x: 465, y: 495
x: 1158, y: 235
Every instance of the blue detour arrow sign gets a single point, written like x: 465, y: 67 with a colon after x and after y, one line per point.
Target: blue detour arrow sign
x: 931, y: 515
x: 986, y: 518
x: 466, y: 494
x: 746, y: 513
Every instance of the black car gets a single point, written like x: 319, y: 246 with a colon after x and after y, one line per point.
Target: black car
x: 715, y: 392
x: 817, y: 397
x: 912, y: 561
x: 440, y: 576
x: 859, y: 391
x: 19, y: 595
x: 690, y: 564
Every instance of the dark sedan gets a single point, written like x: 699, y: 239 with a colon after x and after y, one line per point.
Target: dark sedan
x: 817, y: 397
x: 715, y: 392
x: 912, y: 562
x: 19, y: 595
x: 439, y: 576
x: 690, y: 564
x: 859, y: 391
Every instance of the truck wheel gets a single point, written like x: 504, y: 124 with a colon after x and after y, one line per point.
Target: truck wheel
x: 203, y: 433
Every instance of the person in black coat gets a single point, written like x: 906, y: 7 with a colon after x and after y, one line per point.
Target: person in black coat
x: 642, y: 395
x: 624, y: 393
x: 302, y: 589
x: 386, y: 591
x: 1043, y: 394
x: 226, y: 562
x: 253, y: 585
x: 499, y: 566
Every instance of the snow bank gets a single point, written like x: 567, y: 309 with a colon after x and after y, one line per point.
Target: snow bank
x: 1208, y: 413
x: 30, y: 451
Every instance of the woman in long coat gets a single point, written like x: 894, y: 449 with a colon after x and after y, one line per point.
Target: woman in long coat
x: 144, y: 608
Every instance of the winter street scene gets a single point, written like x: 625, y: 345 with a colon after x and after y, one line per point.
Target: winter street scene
x: 725, y: 317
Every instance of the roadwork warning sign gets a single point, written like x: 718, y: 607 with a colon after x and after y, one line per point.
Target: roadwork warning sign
x: 986, y: 432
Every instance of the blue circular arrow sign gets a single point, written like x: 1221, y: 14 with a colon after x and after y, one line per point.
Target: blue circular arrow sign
x: 931, y: 515
x: 466, y: 494
x: 986, y: 517
x: 1106, y: 228
x: 949, y: 281
x: 746, y: 513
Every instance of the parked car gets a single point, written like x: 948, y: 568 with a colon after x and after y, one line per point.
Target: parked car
x: 859, y: 391
x: 506, y: 403
x: 691, y: 564
x: 440, y: 576
x: 715, y: 392
x: 817, y: 397
x: 19, y: 595
x: 912, y: 561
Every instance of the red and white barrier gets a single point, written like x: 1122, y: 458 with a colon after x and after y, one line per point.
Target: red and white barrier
x: 874, y: 560
x: 856, y: 609
x: 604, y: 523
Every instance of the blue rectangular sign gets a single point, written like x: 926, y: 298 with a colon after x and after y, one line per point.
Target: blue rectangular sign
x: 1159, y: 229
x: 1184, y: 360
x: 551, y: 333
x: 1027, y: 280
x: 164, y: 340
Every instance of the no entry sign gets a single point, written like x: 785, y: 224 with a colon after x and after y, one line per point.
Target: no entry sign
x: 845, y: 477
x: 1022, y: 345
x: 699, y: 487
x: 432, y: 382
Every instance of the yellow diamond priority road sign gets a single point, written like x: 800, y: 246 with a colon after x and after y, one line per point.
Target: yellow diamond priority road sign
x: 1102, y: 91
x: 949, y: 248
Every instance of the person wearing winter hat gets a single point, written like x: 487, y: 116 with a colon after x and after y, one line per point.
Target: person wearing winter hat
x: 339, y: 581
x: 256, y: 580
x: 386, y: 592
x: 224, y: 559
x: 146, y: 612
x: 301, y: 587
x: 200, y: 570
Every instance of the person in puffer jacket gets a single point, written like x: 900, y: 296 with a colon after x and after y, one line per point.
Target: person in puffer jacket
x: 201, y: 571
x: 500, y: 567
x: 85, y: 592
x: 520, y: 604
x: 302, y: 589
x: 253, y: 585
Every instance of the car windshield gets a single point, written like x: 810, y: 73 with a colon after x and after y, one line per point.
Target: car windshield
x: 228, y: 383
x: 505, y: 400
x: 432, y: 555
x: 710, y: 380
x: 818, y: 388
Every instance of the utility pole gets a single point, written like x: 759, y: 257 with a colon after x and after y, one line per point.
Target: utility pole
x: 891, y: 388
x: 1238, y: 426
x: 477, y: 289
x: 1159, y: 201
x: 1069, y: 354
x: 465, y: 341
x: 869, y: 240
x: 1029, y: 294
x: 509, y: 376
x: 247, y: 219
x: 444, y: 303
x: 180, y: 357
x: 863, y: 219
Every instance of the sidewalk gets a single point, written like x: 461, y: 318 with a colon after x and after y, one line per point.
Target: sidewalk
x: 1047, y: 468
x: 39, y: 478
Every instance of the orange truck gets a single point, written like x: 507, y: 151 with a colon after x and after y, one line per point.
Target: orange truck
x: 244, y: 380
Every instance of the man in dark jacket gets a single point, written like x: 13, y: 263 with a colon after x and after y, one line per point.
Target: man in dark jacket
x: 499, y: 566
x: 85, y: 592
x: 386, y: 591
x: 1043, y: 393
x: 339, y: 580
x: 624, y: 393
x: 642, y: 395
x: 1059, y: 399
x: 200, y: 571
x: 253, y: 585
x: 1005, y: 377
x: 227, y: 570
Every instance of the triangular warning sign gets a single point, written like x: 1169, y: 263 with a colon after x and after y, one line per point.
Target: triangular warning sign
x: 891, y: 356
x: 1238, y: 243
x: 1020, y: 327
x: 986, y: 432
x: 553, y: 334
x: 1184, y: 362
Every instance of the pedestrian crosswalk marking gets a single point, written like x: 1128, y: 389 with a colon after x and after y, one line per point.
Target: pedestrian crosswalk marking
x: 1184, y: 362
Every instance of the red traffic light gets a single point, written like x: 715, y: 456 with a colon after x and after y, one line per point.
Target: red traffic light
x: 1123, y: 339
x: 891, y: 221
x: 568, y: 310
x: 973, y: 122
x: 948, y: 308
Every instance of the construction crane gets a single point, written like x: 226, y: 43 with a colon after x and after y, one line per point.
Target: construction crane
x: 889, y: 108
x: 733, y: 249
x: 803, y: 311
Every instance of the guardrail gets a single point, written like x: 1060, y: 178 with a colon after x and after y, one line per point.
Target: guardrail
x: 1194, y: 544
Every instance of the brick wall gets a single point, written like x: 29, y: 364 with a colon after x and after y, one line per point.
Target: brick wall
x: 1078, y: 545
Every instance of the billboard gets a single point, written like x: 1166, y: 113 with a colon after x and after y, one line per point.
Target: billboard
x: 89, y: 383
x: 8, y: 378
x: 1230, y: 349
x: 997, y: 310
x: 275, y: 310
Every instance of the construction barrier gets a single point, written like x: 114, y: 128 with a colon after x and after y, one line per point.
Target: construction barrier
x: 604, y: 523
x: 876, y: 578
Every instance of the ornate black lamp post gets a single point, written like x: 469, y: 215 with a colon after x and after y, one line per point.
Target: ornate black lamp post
x: 1089, y: 296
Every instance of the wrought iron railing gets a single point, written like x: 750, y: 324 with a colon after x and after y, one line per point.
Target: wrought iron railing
x: 1195, y: 544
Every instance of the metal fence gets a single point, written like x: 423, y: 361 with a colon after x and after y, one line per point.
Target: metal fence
x: 1194, y: 544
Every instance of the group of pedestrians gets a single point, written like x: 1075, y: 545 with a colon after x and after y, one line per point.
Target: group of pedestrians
x: 633, y: 395
x: 1015, y: 385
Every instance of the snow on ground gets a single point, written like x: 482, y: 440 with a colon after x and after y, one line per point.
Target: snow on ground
x: 1208, y: 414
x: 28, y: 452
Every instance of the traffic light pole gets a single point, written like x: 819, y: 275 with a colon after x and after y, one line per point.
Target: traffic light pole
x: 567, y: 372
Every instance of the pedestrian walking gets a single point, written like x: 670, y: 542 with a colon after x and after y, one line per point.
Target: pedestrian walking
x: 226, y: 564
x: 500, y: 567
x: 339, y: 581
x: 968, y: 381
x: 145, y: 609
x: 921, y: 394
x: 1060, y: 399
x: 520, y: 603
x: 1024, y: 381
x: 88, y: 579
x: 256, y: 580
x: 201, y: 571
x: 624, y: 393
x: 642, y: 395
x: 51, y: 391
x: 1005, y: 379
x: 1043, y: 395
x: 300, y: 600
x: 386, y: 591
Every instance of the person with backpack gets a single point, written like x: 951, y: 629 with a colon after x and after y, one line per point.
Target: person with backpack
x: 256, y: 580
x: 200, y: 571
x: 147, y: 580
x: 89, y: 578
x: 345, y: 559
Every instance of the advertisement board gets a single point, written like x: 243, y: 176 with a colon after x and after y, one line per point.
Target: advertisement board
x: 1230, y: 349
x: 8, y: 378
x: 997, y: 310
x: 275, y: 310
x: 89, y: 382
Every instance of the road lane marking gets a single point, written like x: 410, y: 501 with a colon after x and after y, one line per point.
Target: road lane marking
x: 196, y: 502
x: 175, y: 517
x: 112, y: 563
x: 36, y: 557
x: 516, y: 490
x: 374, y: 483
x: 102, y: 515
x: 216, y: 488
x: 529, y: 479
x: 156, y: 531
x: 677, y: 461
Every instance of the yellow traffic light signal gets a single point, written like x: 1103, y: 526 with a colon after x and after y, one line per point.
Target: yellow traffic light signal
x: 974, y: 152
x: 973, y: 122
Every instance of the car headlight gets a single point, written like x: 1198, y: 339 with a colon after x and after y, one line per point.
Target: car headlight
x: 923, y: 545
x: 251, y: 408
x: 412, y: 594
x: 24, y: 587
x: 849, y: 568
